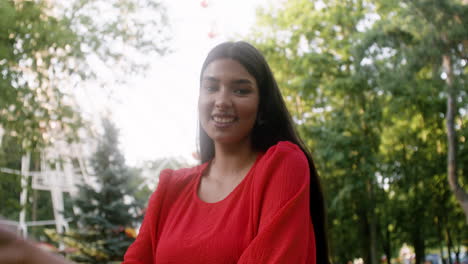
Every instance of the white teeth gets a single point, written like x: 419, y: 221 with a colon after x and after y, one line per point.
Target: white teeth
x: 223, y: 119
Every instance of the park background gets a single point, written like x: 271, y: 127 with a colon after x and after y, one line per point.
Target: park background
x: 97, y: 97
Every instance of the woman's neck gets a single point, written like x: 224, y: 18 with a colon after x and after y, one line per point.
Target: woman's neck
x: 232, y: 160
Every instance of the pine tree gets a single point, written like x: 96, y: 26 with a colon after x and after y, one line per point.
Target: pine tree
x: 106, y: 213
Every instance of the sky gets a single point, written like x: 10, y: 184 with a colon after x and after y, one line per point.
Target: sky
x: 157, y: 113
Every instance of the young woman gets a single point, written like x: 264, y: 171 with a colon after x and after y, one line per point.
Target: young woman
x: 256, y: 197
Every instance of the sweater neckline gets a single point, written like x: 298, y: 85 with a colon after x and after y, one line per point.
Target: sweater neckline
x: 231, y: 194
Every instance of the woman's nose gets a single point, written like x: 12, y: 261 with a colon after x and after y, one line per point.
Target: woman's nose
x: 223, y: 98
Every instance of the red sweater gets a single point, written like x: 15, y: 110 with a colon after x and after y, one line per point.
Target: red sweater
x: 265, y: 219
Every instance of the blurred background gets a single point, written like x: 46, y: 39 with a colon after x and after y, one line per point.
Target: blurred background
x: 97, y: 97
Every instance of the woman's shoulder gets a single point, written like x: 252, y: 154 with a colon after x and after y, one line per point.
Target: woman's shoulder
x: 285, y: 151
x: 282, y: 172
x: 172, y: 182
x: 284, y: 161
x: 179, y: 177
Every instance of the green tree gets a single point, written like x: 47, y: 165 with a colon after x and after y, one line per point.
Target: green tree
x: 31, y: 40
x: 309, y: 45
x: 420, y: 50
x: 47, y: 48
x: 435, y: 38
x: 364, y: 80
x: 10, y: 186
x: 106, y: 209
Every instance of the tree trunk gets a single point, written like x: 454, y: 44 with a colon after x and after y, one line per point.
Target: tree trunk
x: 373, y: 246
x: 457, y: 254
x: 369, y: 247
x: 460, y: 194
x: 372, y: 225
x: 449, y: 246
x: 372, y: 257
x: 419, y: 248
x: 441, y: 239
x: 387, y: 245
x: 366, y: 237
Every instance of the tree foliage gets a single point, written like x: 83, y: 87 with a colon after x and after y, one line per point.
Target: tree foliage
x: 365, y: 83
x: 106, y: 212
x: 48, y: 48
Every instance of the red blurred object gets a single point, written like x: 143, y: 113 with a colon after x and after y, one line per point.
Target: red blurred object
x: 130, y: 232
x: 196, y: 155
x: 212, y: 34
x: 47, y: 247
x: 204, y: 4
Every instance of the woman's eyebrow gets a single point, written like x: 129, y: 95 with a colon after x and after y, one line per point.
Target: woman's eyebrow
x: 238, y: 81
x: 210, y: 78
x: 242, y: 81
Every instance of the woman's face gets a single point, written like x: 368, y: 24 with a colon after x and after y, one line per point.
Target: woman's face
x: 228, y: 101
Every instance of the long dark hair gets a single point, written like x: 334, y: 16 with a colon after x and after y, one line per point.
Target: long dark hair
x: 273, y: 124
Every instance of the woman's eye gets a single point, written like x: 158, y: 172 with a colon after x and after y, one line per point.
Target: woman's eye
x: 210, y: 88
x: 241, y: 91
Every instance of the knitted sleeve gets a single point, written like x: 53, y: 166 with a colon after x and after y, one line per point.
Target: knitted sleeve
x: 284, y: 231
x: 142, y: 249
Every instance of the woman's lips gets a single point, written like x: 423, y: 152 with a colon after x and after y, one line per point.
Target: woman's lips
x: 223, y: 120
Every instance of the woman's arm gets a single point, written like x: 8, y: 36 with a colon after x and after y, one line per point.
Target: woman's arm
x: 142, y: 249
x: 285, y: 232
x: 16, y: 250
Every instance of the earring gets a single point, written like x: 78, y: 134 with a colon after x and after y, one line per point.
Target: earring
x: 260, y: 121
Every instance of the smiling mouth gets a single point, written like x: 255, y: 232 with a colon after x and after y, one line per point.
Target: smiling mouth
x: 223, y: 121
